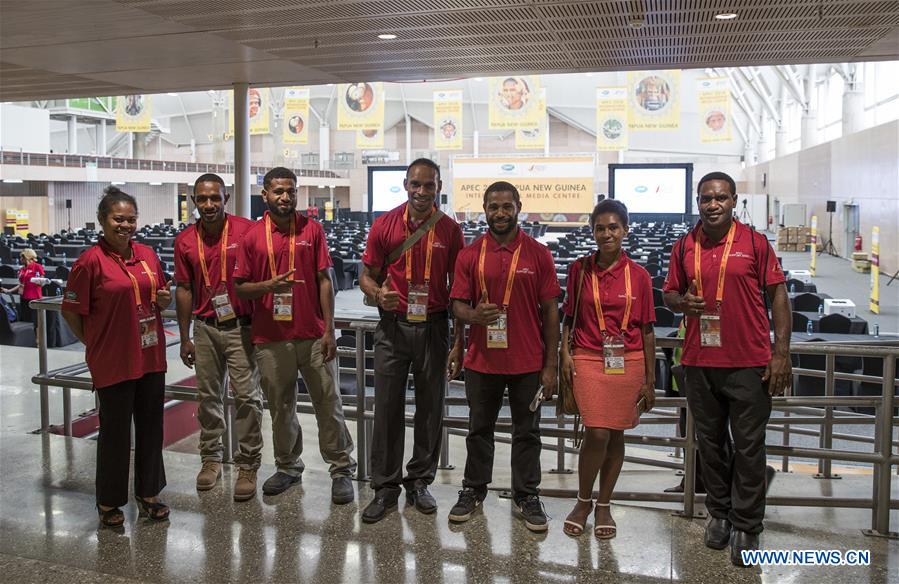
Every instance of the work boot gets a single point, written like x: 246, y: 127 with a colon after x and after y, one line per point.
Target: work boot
x: 245, y: 485
x: 209, y: 475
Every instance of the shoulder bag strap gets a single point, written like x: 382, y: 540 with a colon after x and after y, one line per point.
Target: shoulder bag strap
x: 413, y: 239
x: 577, y: 302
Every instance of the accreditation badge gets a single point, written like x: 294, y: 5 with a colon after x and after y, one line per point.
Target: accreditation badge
x: 417, y: 303
x: 613, y: 354
x: 222, y: 304
x: 710, y: 329
x: 146, y: 322
x: 498, y: 332
x: 282, y: 306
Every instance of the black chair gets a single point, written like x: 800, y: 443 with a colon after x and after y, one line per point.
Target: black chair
x: 807, y: 302
x: 7, y: 271
x: 871, y: 366
x: 343, y: 280
x: 17, y: 334
x: 664, y: 316
x: 800, y: 322
x: 658, y: 282
x: 794, y: 285
x: 653, y: 269
x: 835, y: 323
x: 658, y: 297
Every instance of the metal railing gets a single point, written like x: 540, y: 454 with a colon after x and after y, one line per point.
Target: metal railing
x: 809, y: 411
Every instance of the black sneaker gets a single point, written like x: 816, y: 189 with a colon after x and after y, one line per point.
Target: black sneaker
x: 533, y: 513
x: 278, y: 483
x: 468, y: 502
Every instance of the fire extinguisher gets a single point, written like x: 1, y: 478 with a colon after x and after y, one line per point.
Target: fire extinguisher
x: 858, y: 242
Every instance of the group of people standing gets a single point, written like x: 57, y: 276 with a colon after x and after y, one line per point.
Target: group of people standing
x: 254, y: 300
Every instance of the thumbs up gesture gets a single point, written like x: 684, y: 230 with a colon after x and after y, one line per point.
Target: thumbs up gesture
x: 164, y: 296
x: 485, y: 313
x: 282, y: 283
x: 694, y: 305
x: 388, y: 298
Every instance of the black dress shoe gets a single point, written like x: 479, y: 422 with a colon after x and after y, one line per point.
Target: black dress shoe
x: 378, y: 508
x: 278, y: 483
x: 341, y: 490
x: 697, y: 488
x: 717, y: 533
x: 422, y: 499
x: 742, y: 541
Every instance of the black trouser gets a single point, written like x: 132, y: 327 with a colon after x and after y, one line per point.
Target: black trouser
x: 26, y: 314
x: 734, y: 480
x: 484, y: 392
x: 140, y: 399
x: 401, y: 346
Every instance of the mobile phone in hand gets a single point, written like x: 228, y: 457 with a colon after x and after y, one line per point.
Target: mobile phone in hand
x: 641, y: 405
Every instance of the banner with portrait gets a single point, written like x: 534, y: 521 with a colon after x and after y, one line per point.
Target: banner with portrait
x: 360, y: 106
x: 611, y: 118
x: 874, y: 305
x: 257, y: 109
x: 448, y: 119
x: 714, y: 110
x: 296, y: 115
x: 132, y: 113
x: 653, y: 100
x: 534, y: 138
x: 370, y: 139
x: 514, y: 102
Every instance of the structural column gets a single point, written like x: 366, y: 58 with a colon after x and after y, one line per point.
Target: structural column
x: 72, y: 127
x: 809, y: 133
x: 853, y: 108
x: 101, y: 138
x: 241, y: 150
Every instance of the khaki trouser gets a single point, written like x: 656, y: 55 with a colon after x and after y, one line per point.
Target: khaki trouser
x: 279, y: 364
x: 215, y: 352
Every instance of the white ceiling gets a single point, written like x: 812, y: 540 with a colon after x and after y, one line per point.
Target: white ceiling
x: 71, y: 48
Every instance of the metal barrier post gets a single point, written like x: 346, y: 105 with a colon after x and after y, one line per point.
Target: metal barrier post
x: 689, y: 467
x: 560, y: 449
x: 228, y: 436
x: 826, y: 439
x: 42, y: 367
x: 444, y: 463
x: 67, y: 411
x: 361, y: 435
x: 884, y: 447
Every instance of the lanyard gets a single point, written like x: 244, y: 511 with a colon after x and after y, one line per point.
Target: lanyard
x: 719, y: 295
x: 509, y: 280
x: 597, y: 301
x: 427, y: 274
x: 134, y: 284
x: 271, y: 251
x: 223, y: 258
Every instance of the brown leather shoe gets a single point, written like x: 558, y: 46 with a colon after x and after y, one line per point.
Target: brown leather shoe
x: 245, y: 486
x: 209, y: 475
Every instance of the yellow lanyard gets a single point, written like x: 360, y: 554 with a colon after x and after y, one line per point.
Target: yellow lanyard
x: 202, y: 255
x: 271, y: 251
x: 597, y: 301
x: 719, y: 295
x: 427, y: 274
x: 510, y: 279
x: 134, y: 285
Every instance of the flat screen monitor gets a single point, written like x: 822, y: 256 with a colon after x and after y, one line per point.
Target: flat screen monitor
x: 385, y: 188
x: 652, y: 189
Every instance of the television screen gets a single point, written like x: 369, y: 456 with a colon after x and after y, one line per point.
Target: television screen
x: 655, y: 189
x: 385, y: 187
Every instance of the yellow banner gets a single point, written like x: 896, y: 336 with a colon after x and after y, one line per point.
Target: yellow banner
x: 715, y: 122
x: 534, y: 138
x: 296, y: 115
x: 514, y: 102
x: 448, y: 119
x: 875, y: 271
x: 369, y: 139
x: 653, y: 100
x: 813, y: 260
x: 611, y: 118
x: 360, y: 106
x: 258, y: 110
x: 132, y: 113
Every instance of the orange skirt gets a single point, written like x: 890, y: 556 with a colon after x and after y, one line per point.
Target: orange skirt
x: 608, y: 401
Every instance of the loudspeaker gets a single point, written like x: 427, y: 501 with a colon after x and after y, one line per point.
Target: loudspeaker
x: 831, y: 206
x: 68, y: 203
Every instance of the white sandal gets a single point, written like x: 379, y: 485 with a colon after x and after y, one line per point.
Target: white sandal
x: 596, y: 529
x: 581, y: 526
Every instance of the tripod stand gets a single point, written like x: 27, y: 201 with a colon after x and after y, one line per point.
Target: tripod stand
x: 744, y: 216
x: 828, y: 246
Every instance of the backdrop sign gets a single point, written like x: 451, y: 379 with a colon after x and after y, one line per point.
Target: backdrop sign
x: 653, y: 100
x: 514, y: 102
x: 133, y: 113
x: 611, y: 118
x: 369, y: 139
x: 360, y: 106
x: 296, y: 115
x: 875, y: 271
x: 534, y: 138
x: 714, y: 110
x: 448, y: 119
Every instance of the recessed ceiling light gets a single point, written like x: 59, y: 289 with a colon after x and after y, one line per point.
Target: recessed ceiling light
x: 726, y: 16
x: 478, y: 78
x: 386, y: 37
x: 172, y: 94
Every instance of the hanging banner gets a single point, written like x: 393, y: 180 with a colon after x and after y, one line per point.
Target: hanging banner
x: 258, y: 110
x: 714, y: 110
x: 132, y: 113
x: 448, y: 120
x: 534, y: 138
x: 875, y: 271
x: 813, y: 259
x: 653, y: 100
x: 296, y: 115
x: 17, y: 220
x: 514, y: 102
x: 370, y: 139
x: 611, y: 118
x: 360, y: 106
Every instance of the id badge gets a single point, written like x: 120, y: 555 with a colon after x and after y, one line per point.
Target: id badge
x: 146, y: 322
x: 222, y: 304
x: 282, y: 306
x: 417, y: 303
x: 710, y: 330
x: 613, y: 355
x: 498, y: 332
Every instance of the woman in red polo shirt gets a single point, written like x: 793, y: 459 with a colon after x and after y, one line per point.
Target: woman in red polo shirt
x: 612, y: 366
x: 27, y: 291
x: 112, y: 303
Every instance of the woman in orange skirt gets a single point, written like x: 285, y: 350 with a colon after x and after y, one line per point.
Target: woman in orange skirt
x: 608, y: 355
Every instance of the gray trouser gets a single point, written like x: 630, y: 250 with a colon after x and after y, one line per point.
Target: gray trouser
x: 216, y: 351
x: 279, y: 364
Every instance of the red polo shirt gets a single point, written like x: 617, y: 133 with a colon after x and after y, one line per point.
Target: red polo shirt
x: 535, y: 281
x: 311, y: 257
x: 745, y: 338
x: 611, y: 285
x: 389, y: 231
x: 31, y: 291
x: 100, y: 291
x: 188, y: 270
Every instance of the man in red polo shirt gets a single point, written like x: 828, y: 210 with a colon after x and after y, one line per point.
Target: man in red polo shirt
x: 717, y: 277
x: 505, y: 288
x: 409, y: 283
x: 283, y: 268
x: 205, y: 254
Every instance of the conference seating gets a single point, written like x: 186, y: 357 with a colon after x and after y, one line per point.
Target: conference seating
x: 807, y: 302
